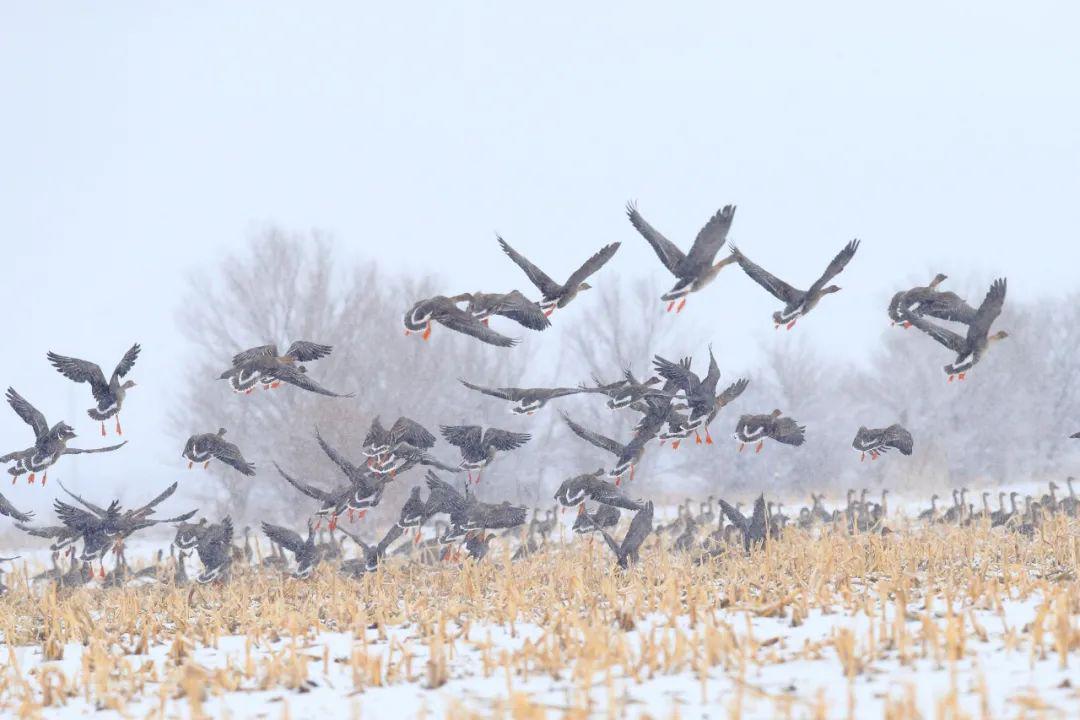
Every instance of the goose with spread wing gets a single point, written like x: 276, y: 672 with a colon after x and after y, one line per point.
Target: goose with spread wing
x: 332, y: 502
x: 203, y: 447
x: 372, y: 554
x: 797, y: 303
x: 756, y: 428
x: 629, y: 550
x: 553, y: 295
x: 972, y: 347
x: 695, y: 269
x: 877, y: 441
x: 624, y: 393
x: 528, y: 400
x: 264, y: 366
x: 367, y: 485
x: 699, y: 393
x: 108, y: 394
x: 478, y: 446
x: 627, y: 456
x: 379, y: 441
x: 592, y: 486
x: 929, y: 301
x: 441, y: 309
x: 50, y: 443
x: 606, y: 516
x: 305, y: 552
x: 512, y: 305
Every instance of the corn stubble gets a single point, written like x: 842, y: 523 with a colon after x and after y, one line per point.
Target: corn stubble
x: 601, y: 630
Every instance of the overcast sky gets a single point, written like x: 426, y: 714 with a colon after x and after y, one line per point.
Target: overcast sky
x: 140, y: 141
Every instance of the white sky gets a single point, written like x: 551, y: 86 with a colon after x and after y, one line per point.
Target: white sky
x: 139, y: 141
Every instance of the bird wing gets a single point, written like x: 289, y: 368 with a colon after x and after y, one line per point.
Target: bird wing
x: 946, y: 337
x: 229, y: 454
x: 286, y: 538
x: 96, y: 509
x: 836, y: 266
x: 460, y: 321
x: 899, y: 437
x: 469, y: 438
x: 788, y: 431
x: 431, y: 461
x: 712, y: 377
x: 590, y: 266
x: 304, y: 351
x: 107, y: 448
x: 338, y: 459
x: 666, y: 250
x: 442, y: 496
x: 148, y: 508
x: 310, y: 490
x: 679, y: 373
x: 731, y: 392
x: 640, y: 527
x: 949, y: 306
x: 501, y: 393
x: 761, y: 509
x: 293, y: 376
x: 711, y: 237
x: 246, y: 356
x: 607, y: 538
x: 608, y: 494
x: 596, y: 439
x: 412, y: 432
x: 548, y: 287
x: 47, y: 531
x: 81, y: 371
x: 29, y: 414
x: 127, y: 362
x: 392, y: 534
x: 6, y: 508
x: 521, y: 310
x: 737, y: 518
x: 776, y: 287
x: 989, y: 310
x: 73, y: 517
x: 375, y: 434
x: 504, y: 440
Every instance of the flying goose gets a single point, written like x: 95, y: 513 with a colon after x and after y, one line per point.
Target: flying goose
x: 695, y: 269
x: 755, y: 428
x: 368, y: 486
x: 756, y: 529
x: 201, y: 448
x: 528, y: 400
x: 404, y: 457
x: 627, y: 456
x: 628, y: 551
x: 49, y: 443
x: 591, y: 486
x: 512, y: 305
x: 333, y: 502
x: 305, y: 553
x: 108, y: 394
x: 878, y: 441
x: 214, y: 547
x: 478, y: 446
x: 553, y: 295
x: 372, y: 554
x: 928, y: 300
x: 441, y: 309
x: 626, y: 392
x: 797, y: 303
x: 699, y: 393
x: 263, y: 365
x: 971, y: 348
x: 606, y: 516
x: 6, y: 508
x: 379, y: 441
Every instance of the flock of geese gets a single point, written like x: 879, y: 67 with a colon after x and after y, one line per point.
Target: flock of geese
x: 674, y: 403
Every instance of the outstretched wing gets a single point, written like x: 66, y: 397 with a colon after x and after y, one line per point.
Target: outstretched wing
x: 127, y: 362
x: 521, y: 310
x: 734, y: 516
x: 776, y: 287
x: 666, y: 250
x: 548, y: 287
x: 81, y: 371
x: 711, y: 237
x: 989, y: 310
x: 595, y: 438
x: 639, y: 529
x: 712, y: 377
x: 442, y: 496
x: 788, y: 431
x: 148, y: 508
x: 29, y: 414
x: 229, y: 454
x: 347, y: 467
x: 504, y: 440
x: 6, y: 508
x: 107, y: 448
x: 501, y: 393
x: 460, y: 321
x: 304, y: 351
x: 591, y: 265
x: 74, y: 517
x: 243, y: 358
x: 836, y: 266
x: 293, y: 376
x: 310, y: 490
x: 678, y: 373
x: 96, y: 509
x: 731, y: 392
x: 467, y: 437
x: 284, y: 537
x: 946, y: 337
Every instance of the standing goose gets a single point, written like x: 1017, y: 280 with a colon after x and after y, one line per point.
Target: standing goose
x: 512, y: 305
x: 797, y: 303
x: 379, y: 441
x: 928, y: 300
x: 478, y: 446
x: 755, y: 428
x: 49, y: 443
x: 6, y: 508
x: 592, y: 486
x: 201, y: 448
x: 628, y: 551
x: 442, y: 310
x: 263, y: 365
x: 878, y: 441
x: 528, y: 400
x: 971, y: 348
x: 695, y: 269
x: 553, y: 295
x: 305, y: 552
x: 110, y: 394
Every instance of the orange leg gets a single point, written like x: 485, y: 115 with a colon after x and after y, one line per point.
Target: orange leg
x: 670, y: 305
x: 631, y: 472
x: 760, y: 444
x: 31, y: 478
x: 44, y: 478
x: 961, y: 376
x: 487, y: 322
x: 190, y: 464
x: 697, y: 438
x: 427, y: 331
x: 206, y: 465
x: 248, y: 391
x: 360, y: 514
x: 333, y: 522
x: 675, y: 444
x: 618, y: 480
x: 102, y: 428
x: 791, y: 325
x: 416, y: 537
x: 741, y: 446
x: 682, y: 304
x: 951, y: 378
x: 708, y: 437
x: 118, y: 430
x: 862, y: 457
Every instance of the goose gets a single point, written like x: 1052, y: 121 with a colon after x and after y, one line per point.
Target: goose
x: 627, y: 456
x: 1001, y: 515
x: 6, y: 508
x: 955, y: 514
x: 203, y: 447
x: 441, y: 309
x: 264, y: 365
x: 512, y: 305
x: 755, y: 428
x: 878, y: 441
x: 305, y: 553
x: 367, y: 485
x: 372, y: 554
x: 332, y: 502
x: 380, y: 442
x: 971, y: 348
x: 592, y: 486
x: 929, y: 301
x: 1049, y: 501
x: 1070, y: 503
x: 624, y: 393
x: 553, y: 295
x: 50, y: 443
x: 414, y: 513
x: 606, y: 516
x: 478, y: 446
x: 931, y: 513
x: 108, y: 394
x: 755, y: 529
x: 699, y: 393
x: 478, y: 543
x: 528, y: 400
x: 797, y: 303
x: 628, y: 551
x: 693, y: 270
x: 403, y: 458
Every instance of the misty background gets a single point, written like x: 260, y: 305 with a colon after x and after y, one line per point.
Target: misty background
x: 171, y: 175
